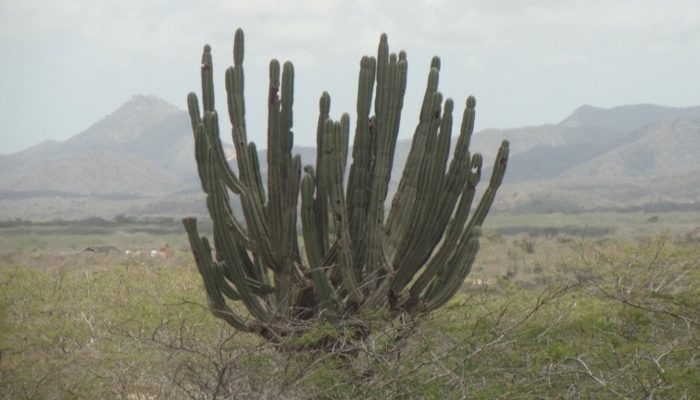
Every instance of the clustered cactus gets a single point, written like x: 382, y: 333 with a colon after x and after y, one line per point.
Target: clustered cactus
x: 353, y: 258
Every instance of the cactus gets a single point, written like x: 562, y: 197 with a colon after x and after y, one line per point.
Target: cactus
x: 353, y: 258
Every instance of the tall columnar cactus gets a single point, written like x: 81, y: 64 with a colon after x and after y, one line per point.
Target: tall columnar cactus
x: 353, y: 257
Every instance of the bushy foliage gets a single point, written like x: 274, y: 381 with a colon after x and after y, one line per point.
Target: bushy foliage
x: 615, y: 320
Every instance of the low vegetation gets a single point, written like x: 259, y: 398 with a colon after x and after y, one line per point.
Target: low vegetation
x: 575, y: 317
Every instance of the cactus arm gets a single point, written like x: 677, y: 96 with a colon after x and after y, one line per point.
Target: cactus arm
x: 312, y: 243
x: 234, y: 90
x: 210, y: 129
x: 201, y: 147
x: 467, y: 128
x: 286, y: 116
x: 420, y: 186
x: 437, y: 192
x: 193, y: 110
x: 415, y: 241
x: 290, y: 167
x: 433, y: 212
x: 248, y: 288
x: 323, y: 288
x: 439, y: 214
x: 499, y: 170
x: 321, y: 199
x: 205, y: 134
x: 415, y: 155
x: 206, y: 139
x: 335, y: 170
x: 221, y: 282
x: 231, y: 251
x: 362, y: 156
x: 391, y: 87
x: 242, y: 282
x: 256, y: 177
x: 455, y: 230
x: 254, y: 276
x: 283, y: 178
x: 207, y: 75
x: 458, y: 171
x: 274, y: 154
x: 290, y: 238
x: 443, y: 191
x: 252, y: 192
x: 196, y: 120
x: 458, y: 269
x: 399, y: 91
x: 248, y: 167
x: 202, y: 255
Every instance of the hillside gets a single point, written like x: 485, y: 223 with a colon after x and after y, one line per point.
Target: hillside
x: 142, y: 148
x: 626, y: 118
x: 627, y: 157
x: 139, y: 161
x: 664, y: 148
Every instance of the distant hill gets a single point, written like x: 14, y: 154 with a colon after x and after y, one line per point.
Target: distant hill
x: 139, y: 161
x: 664, y: 148
x: 145, y: 147
x: 626, y: 118
x: 596, y: 158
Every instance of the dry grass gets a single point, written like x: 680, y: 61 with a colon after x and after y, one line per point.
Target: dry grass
x: 556, y: 317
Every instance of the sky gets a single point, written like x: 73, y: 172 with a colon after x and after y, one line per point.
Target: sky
x: 64, y: 64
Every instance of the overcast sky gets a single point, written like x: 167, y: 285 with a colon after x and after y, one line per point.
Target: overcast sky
x: 65, y: 64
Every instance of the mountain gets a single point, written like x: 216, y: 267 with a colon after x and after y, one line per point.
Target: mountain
x: 626, y: 118
x: 144, y: 147
x: 139, y: 161
x: 129, y: 123
x: 664, y: 148
x: 606, y: 158
x: 549, y: 150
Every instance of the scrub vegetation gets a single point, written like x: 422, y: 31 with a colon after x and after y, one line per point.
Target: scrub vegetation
x: 576, y: 317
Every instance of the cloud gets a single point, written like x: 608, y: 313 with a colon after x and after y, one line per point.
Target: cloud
x: 569, y: 51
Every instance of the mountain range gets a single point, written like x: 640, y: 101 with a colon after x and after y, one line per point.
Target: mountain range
x: 139, y: 161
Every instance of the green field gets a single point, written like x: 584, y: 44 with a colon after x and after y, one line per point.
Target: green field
x: 544, y: 314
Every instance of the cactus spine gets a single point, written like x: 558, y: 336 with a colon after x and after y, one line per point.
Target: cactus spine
x: 352, y: 258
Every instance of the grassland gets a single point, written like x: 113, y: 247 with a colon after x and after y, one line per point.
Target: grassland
x: 544, y: 314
